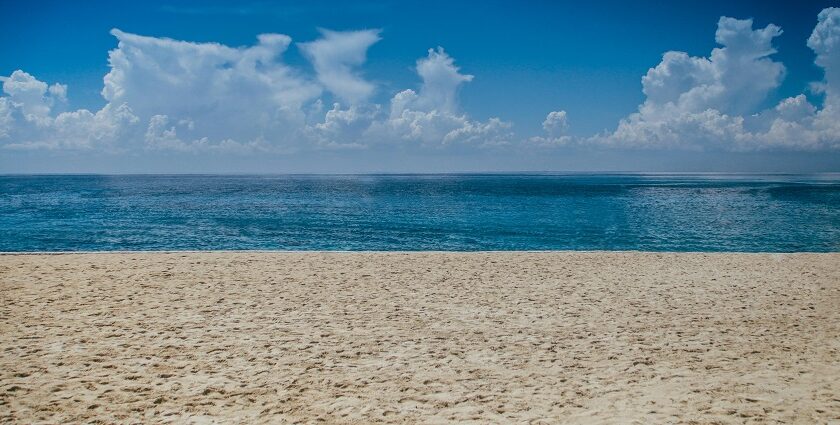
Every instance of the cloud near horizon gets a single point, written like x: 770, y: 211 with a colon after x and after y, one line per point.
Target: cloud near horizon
x: 704, y: 103
x: 335, y: 55
x: 170, y: 95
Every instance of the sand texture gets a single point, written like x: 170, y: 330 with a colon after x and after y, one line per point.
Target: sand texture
x: 420, y: 338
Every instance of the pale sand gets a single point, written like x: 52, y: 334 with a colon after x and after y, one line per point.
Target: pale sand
x: 423, y: 337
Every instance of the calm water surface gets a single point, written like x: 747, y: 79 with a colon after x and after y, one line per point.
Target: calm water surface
x: 780, y: 213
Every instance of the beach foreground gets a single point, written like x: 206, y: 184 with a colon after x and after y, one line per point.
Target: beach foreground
x: 420, y: 337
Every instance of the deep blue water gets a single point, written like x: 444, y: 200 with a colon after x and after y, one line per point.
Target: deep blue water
x: 779, y: 213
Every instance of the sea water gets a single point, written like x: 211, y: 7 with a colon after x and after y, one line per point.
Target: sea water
x: 707, y: 212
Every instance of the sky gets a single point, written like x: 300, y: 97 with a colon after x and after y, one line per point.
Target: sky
x: 375, y: 86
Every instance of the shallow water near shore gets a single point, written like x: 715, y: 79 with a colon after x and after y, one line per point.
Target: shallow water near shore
x: 656, y: 212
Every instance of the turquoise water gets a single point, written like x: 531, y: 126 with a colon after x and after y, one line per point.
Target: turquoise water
x: 779, y: 213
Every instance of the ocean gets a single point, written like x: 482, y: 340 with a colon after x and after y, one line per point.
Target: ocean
x: 458, y: 212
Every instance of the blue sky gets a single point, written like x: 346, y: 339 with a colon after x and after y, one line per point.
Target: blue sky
x: 526, y: 59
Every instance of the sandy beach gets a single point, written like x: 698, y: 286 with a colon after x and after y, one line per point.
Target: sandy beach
x: 420, y: 338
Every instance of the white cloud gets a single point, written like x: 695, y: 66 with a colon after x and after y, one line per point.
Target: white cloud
x: 432, y: 116
x: 795, y: 123
x: 165, y: 94
x: 30, y: 118
x: 441, y: 81
x: 32, y: 98
x: 6, y: 119
x: 345, y: 128
x: 689, y: 98
x: 169, y: 95
x: 555, y: 123
x: 162, y: 134
x: 555, y: 126
x: 335, y: 56
x: 710, y: 103
x: 427, y: 118
x: 217, y: 96
x: 795, y: 108
x: 825, y: 41
x: 734, y: 79
x: 244, y: 94
x: 84, y: 129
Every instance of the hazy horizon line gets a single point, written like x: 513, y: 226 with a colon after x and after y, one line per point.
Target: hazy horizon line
x: 466, y: 173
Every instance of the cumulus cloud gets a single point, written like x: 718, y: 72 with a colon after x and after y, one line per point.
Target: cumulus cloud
x: 32, y: 98
x: 162, y: 134
x: 441, y: 81
x: 225, y: 93
x: 335, y: 57
x: 825, y: 41
x: 169, y: 95
x: 795, y: 123
x: 555, y: 123
x: 6, y: 119
x: 431, y: 116
x: 345, y: 128
x: 710, y: 103
x: 85, y: 129
x: 555, y: 126
x: 165, y: 94
x: 31, y: 117
x: 688, y: 99
x: 735, y: 77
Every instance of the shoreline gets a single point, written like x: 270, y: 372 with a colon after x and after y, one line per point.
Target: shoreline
x: 330, y: 251
x: 394, y: 337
